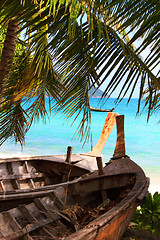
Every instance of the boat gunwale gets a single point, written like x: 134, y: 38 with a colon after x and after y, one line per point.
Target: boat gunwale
x: 60, y: 159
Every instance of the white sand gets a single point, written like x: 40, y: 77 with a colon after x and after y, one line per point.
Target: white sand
x: 14, y: 155
x: 154, y: 184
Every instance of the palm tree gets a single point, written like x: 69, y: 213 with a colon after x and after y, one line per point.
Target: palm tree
x: 71, y: 47
x: 8, y: 51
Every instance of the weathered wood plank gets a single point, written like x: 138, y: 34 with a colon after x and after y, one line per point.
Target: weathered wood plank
x: 45, y: 210
x: 22, y: 176
x: 119, y: 166
x: 144, y: 192
x: 49, y: 206
x: 120, y: 150
x: 14, y: 182
x: 49, y: 233
x: 4, y: 226
x: 69, y: 154
x: 100, y: 165
x: 2, y: 186
x: 11, y: 221
x: 10, y: 235
x: 26, y: 213
x: 33, y: 210
x: 99, y: 184
x: 106, y: 131
x: 86, y: 233
x: 30, y: 180
x: 59, y: 193
x: 3, y: 169
x: 18, y: 167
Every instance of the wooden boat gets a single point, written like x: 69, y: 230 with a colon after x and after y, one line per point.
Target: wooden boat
x: 101, y: 110
x: 25, y: 178
x: 97, y: 206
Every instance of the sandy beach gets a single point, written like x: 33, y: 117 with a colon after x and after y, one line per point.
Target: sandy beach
x: 154, y: 184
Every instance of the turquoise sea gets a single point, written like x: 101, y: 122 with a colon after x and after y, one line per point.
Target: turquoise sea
x: 142, y: 138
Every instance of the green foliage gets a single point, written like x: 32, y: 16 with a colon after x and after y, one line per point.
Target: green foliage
x: 13, y: 120
x: 2, y: 38
x: 148, y: 215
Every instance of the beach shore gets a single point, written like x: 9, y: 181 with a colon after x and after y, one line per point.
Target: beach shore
x: 154, y: 184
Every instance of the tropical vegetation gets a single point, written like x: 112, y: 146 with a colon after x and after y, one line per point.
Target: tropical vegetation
x: 147, y: 216
x: 69, y: 47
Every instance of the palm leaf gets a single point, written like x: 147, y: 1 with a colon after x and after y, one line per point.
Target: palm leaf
x: 13, y: 123
x: 141, y: 18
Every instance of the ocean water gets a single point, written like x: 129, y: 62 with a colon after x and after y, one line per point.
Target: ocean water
x: 142, y: 138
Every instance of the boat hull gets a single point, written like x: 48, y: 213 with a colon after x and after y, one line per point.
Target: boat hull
x: 101, y: 110
x: 116, y: 228
x: 46, y: 217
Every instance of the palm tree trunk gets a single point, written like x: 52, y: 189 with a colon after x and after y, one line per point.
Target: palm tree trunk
x: 8, y: 53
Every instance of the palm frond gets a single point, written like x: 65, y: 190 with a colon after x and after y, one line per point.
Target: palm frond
x: 13, y: 122
x: 141, y: 19
x: 110, y: 55
x: 29, y: 86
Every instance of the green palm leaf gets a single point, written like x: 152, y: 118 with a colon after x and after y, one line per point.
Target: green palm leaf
x: 13, y: 123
